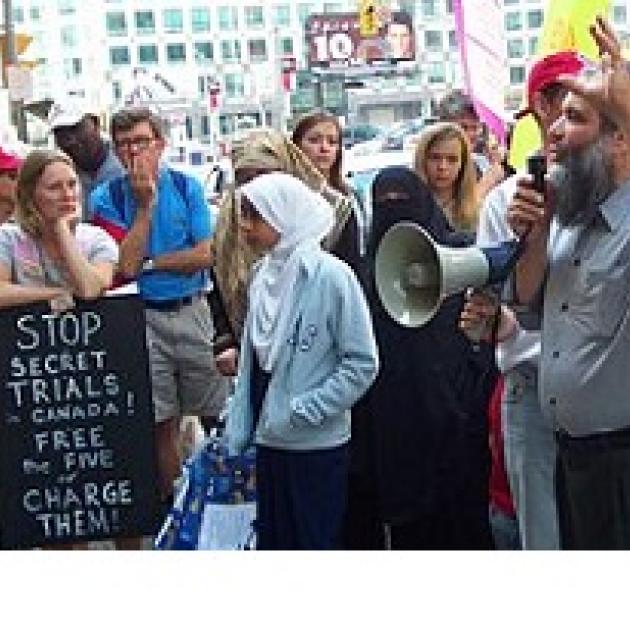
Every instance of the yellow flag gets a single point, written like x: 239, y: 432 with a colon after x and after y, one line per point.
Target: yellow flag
x: 565, y: 27
x: 368, y: 18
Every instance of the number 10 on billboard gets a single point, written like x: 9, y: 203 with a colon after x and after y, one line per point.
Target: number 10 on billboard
x: 338, y: 46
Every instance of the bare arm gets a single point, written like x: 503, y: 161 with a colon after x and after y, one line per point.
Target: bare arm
x: 134, y: 245
x: 87, y: 280
x: 186, y: 261
x: 143, y: 182
x: 12, y: 294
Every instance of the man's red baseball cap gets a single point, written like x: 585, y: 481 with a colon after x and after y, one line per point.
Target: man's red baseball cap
x: 9, y: 162
x: 546, y: 71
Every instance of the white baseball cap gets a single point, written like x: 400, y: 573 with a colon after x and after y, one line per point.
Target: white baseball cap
x: 68, y: 113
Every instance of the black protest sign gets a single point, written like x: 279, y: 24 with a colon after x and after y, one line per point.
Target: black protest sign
x: 77, y: 449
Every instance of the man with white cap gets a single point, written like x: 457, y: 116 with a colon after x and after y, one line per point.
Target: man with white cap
x: 76, y: 128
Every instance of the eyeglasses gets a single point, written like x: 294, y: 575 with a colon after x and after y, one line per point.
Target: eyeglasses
x: 142, y: 143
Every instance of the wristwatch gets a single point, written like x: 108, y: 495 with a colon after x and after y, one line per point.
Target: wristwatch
x: 148, y: 264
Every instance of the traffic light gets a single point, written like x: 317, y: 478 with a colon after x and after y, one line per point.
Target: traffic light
x: 368, y: 18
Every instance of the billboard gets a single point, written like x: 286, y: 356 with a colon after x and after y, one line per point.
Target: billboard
x: 335, y: 40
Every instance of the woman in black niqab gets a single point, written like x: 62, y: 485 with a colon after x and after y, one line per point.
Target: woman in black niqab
x: 420, y: 441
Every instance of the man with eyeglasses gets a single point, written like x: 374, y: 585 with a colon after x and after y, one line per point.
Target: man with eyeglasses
x: 77, y: 132
x: 164, y: 227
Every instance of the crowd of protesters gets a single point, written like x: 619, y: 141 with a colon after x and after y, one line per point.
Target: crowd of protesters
x: 368, y: 434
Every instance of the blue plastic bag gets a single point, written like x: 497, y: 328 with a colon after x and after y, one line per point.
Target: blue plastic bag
x: 215, y: 507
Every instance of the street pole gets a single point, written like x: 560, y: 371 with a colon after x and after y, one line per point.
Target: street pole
x: 18, y: 117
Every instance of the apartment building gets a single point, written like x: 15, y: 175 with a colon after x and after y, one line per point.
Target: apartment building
x: 182, y: 50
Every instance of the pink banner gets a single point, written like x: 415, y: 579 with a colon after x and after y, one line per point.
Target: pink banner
x: 479, y: 28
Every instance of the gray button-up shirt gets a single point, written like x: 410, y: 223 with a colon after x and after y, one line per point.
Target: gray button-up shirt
x: 585, y: 361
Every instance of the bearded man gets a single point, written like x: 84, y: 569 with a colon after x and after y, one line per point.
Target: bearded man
x: 577, y: 266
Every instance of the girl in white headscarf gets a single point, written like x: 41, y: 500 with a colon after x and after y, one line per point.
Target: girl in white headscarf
x: 307, y: 354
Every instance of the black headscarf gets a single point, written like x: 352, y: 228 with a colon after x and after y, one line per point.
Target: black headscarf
x: 415, y: 203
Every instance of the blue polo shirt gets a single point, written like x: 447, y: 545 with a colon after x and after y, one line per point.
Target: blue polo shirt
x: 179, y: 222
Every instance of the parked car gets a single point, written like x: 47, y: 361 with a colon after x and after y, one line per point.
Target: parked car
x: 353, y: 134
x: 394, y: 139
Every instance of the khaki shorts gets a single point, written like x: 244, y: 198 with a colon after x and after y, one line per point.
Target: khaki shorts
x: 184, y: 376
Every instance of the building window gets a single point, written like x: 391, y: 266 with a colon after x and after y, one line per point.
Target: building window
x: 429, y: 8
x: 173, y: 20
x: 517, y: 75
x: 228, y: 18
x: 18, y: 15
x: 282, y: 15
x: 231, y: 50
x: 449, y: 7
x: 175, y: 53
x: 533, y: 44
x: 257, y: 49
x: 515, y: 48
x: 35, y: 12
x: 203, y: 52
x: 513, y: 21
x: 433, y: 40
x: 408, y: 6
x: 66, y: 7
x: 333, y: 7
x: 116, y: 23
x: 200, y: 18
x: 285, y: 45
x: 254, y: 17
x: 620, y: 14
x: 534, y: 19
x: 508, y: 2
x: 147, y: 53
x: 205, y: 125
x: 234, y: 85
x: 72, y: 67
x: 116, y: 91
x: 452, y: 40
x: 69, y: 37
x: 436, y: 72
x: 145, y: 22
x: 119, y: 56
x: 304, y: 10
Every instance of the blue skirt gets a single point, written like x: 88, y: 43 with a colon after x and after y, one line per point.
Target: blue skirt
x: 301, y: 497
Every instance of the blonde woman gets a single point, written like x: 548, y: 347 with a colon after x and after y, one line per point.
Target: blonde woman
x: 260, y: 152
x: 443, y: 160
x: 47, y: 254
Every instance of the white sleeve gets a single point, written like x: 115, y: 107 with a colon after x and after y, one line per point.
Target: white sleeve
x: 493, y: 227
x: 102, y: 247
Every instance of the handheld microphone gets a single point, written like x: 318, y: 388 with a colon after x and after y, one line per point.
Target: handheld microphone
x: 537, y: 168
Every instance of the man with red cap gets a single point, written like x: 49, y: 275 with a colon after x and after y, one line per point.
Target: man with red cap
x: 530, y: 450
x: 9, y: 168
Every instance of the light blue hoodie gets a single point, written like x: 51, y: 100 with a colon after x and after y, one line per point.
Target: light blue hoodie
x: 326, y: 365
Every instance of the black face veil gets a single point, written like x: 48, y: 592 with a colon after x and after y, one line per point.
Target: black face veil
x: 398, y: 194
